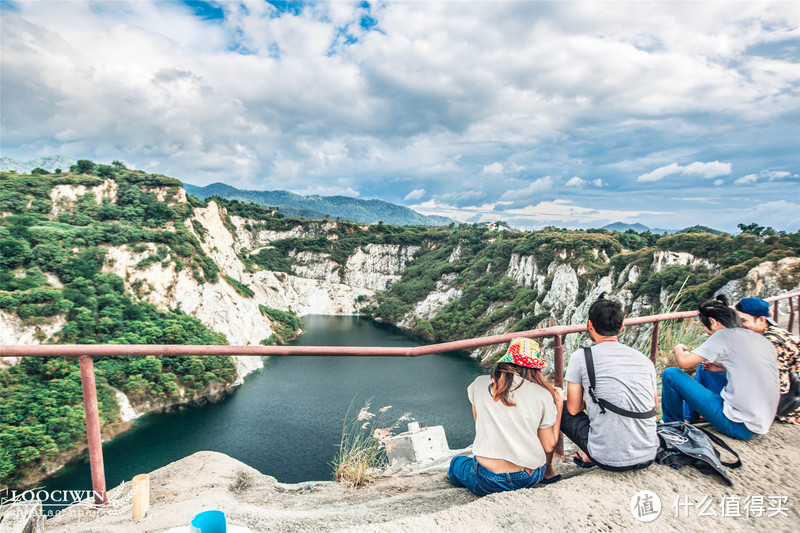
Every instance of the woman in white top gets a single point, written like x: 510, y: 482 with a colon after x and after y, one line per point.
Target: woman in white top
x: 517, y: 420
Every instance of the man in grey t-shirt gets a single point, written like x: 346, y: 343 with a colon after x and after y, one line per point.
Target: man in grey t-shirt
x: 625, y: 378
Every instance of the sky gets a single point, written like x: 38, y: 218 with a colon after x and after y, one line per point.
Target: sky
x: 574, y: 114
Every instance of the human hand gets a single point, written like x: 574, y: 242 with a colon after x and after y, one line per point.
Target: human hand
x: 713, y: 367
x: 559, y: 394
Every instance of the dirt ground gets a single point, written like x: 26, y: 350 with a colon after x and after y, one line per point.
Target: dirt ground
x: 585, y: 500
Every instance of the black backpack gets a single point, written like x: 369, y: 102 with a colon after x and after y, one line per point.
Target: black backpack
x: 682, y: 444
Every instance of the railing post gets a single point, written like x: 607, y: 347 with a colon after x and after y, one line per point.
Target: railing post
x: 558, y: 369
x: 775, y: 311
x: 92, y: 415
x: 654, y: 343
x: 791, y: 314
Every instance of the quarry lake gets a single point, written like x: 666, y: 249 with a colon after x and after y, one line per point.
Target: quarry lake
x: 286, y: 420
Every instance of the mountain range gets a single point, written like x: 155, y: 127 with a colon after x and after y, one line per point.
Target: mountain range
x: 49, y: 163
x: 317, y: 207
x: 622, y: 227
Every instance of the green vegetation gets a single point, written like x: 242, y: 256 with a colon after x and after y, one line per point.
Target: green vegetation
x: 41, y: 413
x: 286, y: 325
x: 240, y: 287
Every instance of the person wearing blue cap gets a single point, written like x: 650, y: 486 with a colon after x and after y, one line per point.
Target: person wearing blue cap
x: 746, y: 405
x: 754, y: 313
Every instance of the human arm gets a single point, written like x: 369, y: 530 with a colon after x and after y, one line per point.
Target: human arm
x: 474, y: 414
x: 685, y: 358
x: 575, y: 403
x: 549, y: 436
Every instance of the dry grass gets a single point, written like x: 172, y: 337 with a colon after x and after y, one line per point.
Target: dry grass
x: 363, y: 447
x: 671, y: 332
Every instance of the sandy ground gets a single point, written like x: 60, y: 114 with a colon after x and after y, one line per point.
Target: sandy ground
x: 586, y: 500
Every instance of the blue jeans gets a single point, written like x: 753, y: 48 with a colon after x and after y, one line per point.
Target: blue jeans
x: 713, y: 381
x: 468, y: 472
x: 677, y: 386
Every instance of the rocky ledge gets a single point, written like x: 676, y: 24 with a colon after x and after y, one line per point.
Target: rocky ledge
x: 591, y: 500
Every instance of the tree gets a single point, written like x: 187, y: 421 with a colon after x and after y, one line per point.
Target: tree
x: 755, y: 229
x: 105, y: 171
x: 83, y: 166
x: 119, y: 165
x: 39, y: 170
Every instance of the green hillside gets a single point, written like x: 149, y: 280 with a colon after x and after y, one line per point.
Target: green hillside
x: 41, y: 413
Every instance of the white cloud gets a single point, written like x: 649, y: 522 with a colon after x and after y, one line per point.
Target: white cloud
x: 660, y: 173
x: 707, y: 170
x: 416, y: 194
x: 718, y: 182
x: 560, y: 212
x: 463, y: 195
x: 769, y: 175
x: 537, y: 186
x: 704, y: 170
x: 495, y: 169
x: 750, y: 178
x: 775, y: 174
x: 580, y: 182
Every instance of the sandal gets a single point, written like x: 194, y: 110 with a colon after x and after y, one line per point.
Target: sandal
x: 581, y: 463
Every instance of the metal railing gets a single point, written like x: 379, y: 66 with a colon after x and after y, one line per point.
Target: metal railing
x: 86, y: 353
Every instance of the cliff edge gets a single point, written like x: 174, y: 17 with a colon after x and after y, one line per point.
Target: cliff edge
x: 591, y: 500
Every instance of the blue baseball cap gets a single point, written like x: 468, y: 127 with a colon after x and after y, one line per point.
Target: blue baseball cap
x: 755, y: 307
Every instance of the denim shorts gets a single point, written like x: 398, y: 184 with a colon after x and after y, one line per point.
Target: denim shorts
x: 468, y: 472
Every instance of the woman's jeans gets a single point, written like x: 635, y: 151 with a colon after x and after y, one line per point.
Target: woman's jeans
x: 468, y: 472
x: 677, y: 386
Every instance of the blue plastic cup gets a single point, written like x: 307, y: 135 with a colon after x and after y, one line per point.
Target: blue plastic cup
x: 210, y: 522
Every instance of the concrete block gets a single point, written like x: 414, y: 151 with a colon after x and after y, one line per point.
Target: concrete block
x: 417, y: 445
x: 23, y: 517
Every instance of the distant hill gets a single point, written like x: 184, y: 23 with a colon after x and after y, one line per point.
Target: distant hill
x: 48, y: 163
x: 639, y: 228
x: 316, y: 207
x: 701, y: 229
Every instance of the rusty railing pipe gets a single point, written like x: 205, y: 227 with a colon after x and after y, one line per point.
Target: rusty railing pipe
x: 95, y: 442
x: 558, y: 378
x: 654, y: 343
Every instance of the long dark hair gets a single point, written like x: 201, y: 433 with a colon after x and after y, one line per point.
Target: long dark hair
x: 718, y: 309
x: 503, y: 380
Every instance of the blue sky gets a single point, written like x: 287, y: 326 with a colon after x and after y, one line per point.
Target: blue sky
x: 574, y: 114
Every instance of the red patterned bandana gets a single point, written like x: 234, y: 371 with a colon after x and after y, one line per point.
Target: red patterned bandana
x: 524, y: 352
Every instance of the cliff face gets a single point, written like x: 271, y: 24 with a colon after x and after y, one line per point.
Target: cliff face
x: 317, y: 287
x: 565, y: 292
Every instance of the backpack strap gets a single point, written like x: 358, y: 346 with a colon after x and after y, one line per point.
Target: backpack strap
x: 718, y: 441
x: 587, y: 353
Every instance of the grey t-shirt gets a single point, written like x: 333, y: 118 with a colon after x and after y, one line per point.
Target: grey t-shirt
x: 751, y: 363
x: 627, y: 379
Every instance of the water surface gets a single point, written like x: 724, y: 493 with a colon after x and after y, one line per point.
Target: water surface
x: 286, y: 420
